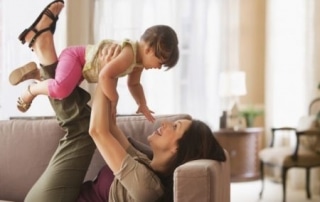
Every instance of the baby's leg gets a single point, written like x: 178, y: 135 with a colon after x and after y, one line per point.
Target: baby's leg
x: 68, y: 73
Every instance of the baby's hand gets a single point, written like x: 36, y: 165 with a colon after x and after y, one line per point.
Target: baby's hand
x: 146, y: 112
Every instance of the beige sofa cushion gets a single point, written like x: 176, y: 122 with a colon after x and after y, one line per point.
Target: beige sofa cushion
x: 26, y: 148
x: 212, y: 176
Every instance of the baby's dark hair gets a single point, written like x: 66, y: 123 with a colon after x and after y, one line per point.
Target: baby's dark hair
x: 164, y: 41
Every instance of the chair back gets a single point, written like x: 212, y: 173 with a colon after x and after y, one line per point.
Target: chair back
x: 314, y: 106
x: 311, y: 141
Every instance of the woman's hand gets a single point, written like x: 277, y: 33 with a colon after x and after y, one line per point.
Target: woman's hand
x: 109, y: 52
x: 146, y: 112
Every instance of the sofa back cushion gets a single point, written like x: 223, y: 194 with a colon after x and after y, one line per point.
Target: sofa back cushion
x: 137, y: 127
x: 26, y: 149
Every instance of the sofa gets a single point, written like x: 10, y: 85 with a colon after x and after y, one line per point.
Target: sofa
x: 28, y: 144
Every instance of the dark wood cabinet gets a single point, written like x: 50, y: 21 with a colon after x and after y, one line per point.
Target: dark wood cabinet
x: 243, y: 147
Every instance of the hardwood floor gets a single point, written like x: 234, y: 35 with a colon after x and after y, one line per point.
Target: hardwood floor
x: 249, y: 192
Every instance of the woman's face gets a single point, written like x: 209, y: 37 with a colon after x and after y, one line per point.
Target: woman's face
x: 165, y: 138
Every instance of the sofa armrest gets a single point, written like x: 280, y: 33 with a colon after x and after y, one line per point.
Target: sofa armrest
x: 202, y: 180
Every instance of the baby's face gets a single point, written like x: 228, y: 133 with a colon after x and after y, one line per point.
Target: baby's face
x: 150, y: 60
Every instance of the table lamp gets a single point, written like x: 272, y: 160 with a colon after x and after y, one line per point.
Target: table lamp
x: 232, y: 84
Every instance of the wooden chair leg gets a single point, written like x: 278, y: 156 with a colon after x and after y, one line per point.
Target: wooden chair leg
x: 308, y: 183
x: 262, y: 178
x: 284, y: 182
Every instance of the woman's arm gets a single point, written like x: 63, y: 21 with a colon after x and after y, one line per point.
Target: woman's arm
x: 110, y: 148
x: 109, y: 139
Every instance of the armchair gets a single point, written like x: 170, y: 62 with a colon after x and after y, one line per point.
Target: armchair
x: 303, y: 155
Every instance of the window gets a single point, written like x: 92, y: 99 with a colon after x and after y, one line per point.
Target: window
x: 12, y: 55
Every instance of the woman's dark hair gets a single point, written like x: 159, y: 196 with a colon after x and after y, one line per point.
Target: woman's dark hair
x: 197, y: 142
x: 164, y: 41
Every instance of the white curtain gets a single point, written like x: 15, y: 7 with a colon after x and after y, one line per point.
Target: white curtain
x: 191, y: 86
x: 292, y: 68
x: 14, y: 19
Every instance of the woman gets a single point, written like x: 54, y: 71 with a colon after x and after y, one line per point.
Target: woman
x: 129, y: 174
x: 138, y: 178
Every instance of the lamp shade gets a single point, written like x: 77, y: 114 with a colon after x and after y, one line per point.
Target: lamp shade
x: 232, y: 84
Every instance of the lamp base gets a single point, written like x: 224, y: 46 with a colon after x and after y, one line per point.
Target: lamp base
x: 235, y: 120
x: 232, y: 119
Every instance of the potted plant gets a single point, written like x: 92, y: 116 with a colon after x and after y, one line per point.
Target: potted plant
x: 250, y: 114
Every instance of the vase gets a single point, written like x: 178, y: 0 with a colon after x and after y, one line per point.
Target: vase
x: 249, y: 120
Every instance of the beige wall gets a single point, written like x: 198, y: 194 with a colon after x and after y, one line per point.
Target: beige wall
x: 79, y: 22
x: 252, y: 52
x: 80, y: 29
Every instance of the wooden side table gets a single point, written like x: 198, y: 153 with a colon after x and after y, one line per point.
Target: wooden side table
x: 243, y: 146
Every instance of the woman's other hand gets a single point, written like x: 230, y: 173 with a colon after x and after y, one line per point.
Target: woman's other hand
x: 109, y: 52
